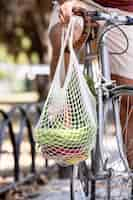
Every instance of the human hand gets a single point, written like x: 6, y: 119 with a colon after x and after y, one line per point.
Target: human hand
x: 65, y: 14
x: 81, y: 32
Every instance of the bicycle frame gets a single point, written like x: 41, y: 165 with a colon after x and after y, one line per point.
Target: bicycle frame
x: 102, y: 61
x: 98, y: 67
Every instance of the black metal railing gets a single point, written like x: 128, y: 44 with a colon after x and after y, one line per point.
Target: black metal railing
x: 27, y: 116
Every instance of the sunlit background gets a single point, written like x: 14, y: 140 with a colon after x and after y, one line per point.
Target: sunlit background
x: 24, y: 46
x: 24, y: 74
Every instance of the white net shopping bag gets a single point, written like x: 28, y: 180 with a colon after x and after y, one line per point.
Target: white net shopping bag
x: 67, y: 127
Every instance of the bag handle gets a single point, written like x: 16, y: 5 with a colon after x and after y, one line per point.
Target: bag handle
x: 66, y: 39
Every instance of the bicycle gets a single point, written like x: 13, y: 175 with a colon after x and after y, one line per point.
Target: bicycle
x: 107, y: 93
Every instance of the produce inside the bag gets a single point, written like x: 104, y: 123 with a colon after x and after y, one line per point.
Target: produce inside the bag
x: 70, y: 145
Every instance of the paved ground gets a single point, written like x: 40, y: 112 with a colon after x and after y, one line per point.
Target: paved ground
x: 59, y: 190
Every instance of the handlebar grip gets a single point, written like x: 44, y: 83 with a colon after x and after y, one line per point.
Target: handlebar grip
x: 129, y: 20
x: 98, y: 16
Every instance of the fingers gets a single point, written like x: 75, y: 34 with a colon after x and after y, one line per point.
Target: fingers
x: 65, y: 12
x: 63, y: 15
x: 83, y: 13
x: 81, y: 33
x: 79, y: 11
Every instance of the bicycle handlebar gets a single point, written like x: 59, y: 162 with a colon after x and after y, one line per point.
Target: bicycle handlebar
x: 113, y: 17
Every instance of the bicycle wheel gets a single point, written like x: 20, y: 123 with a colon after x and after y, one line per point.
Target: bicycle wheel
x: 122, y: 113
x: 83, y: 175
x: 116, y: 146
x: 124, y: 104
x: 76, y: 187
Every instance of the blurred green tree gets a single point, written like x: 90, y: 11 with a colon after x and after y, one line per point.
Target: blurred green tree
x: 23, y: 33
x: 23, y: 39
x: 23, y: 29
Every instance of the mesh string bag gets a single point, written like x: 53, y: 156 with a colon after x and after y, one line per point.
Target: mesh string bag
x: 67, y: 127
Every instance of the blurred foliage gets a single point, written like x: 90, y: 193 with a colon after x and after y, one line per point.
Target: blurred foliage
x: 3, y: 74
x: 22, y: 36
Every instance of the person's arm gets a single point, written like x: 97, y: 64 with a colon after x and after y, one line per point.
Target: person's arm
x: 55, y: 34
